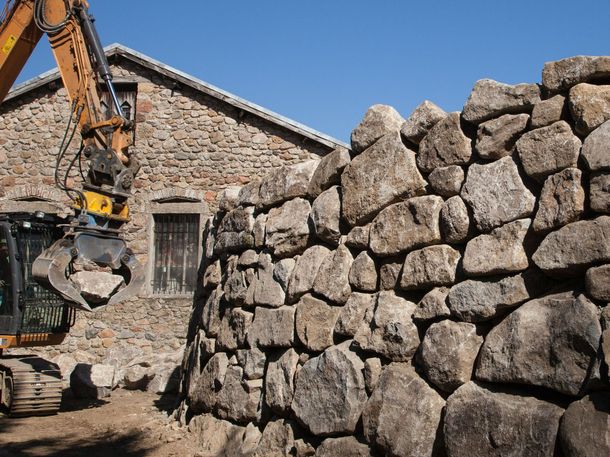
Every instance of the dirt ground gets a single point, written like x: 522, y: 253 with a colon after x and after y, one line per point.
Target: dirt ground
x: 129, y: 423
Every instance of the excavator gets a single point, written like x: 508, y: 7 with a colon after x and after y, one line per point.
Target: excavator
x: 39, y: 253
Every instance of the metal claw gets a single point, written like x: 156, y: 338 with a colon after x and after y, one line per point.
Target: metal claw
x: 136, y: 279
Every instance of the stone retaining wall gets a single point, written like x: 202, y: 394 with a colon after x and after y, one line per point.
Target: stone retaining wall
x: 440, y: 289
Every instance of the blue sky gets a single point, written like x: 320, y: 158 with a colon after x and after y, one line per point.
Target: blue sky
x: 323, y: 63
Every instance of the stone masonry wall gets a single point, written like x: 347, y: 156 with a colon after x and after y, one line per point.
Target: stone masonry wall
x: 191, y: 146
x: 440, y: 289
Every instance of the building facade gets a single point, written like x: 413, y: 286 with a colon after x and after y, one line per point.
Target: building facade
x: 192, y: 140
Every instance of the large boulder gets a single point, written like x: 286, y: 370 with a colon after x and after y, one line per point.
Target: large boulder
x: 239, y: 400
x: 421, y: 120
x: 235, y: 231
x: 406, y: 226
x: 96, y: 286
x: 597, y: 281
x: 93, y: 381
x: 444, y: 145
x: 363, y: 274
x: 481, y: 421
x: 595, y: 148
x: 344, y: 446
x: 315, y: 322
x: 562, y: 74
x: 496, y: 138
x: 326, y: 215
x: 285, y: 183
x: 287, y: 229
x: 328, y: 172
x: 548, y: 111
x: 279, y: 381
x: 447, y: 181
x: 272, y: 327
x: 454, y: 221
x: 383, y: 174
x: 432, y: 306
x: 590, y: 106
x: 305, y: 270
x: 490, y: 99
x: 378, y: 121
x: 430, y: 267
x: 585, y: 427
x: 575, y: 247
x: 204, y: 387
x: 216, y: 436
x: 549, y: 342
x: 267, y: 290
x: 402, y: 416
x: 562, y: 200
x: 599, y: 192
x: 506, y: 200
x: 332, y: 280
x: 330, y: 392
x: 233, y: 329
x: 353, y: 313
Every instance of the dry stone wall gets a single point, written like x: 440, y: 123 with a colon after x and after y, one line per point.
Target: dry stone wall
x: 440, y: 289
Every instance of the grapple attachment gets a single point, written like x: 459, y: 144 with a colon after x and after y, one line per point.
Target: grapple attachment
x: 55, y: 265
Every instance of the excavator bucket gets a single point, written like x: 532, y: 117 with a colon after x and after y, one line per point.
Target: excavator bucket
x: 53, y: 267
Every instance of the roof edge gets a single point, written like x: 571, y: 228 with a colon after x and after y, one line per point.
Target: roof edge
x: 193, y: 82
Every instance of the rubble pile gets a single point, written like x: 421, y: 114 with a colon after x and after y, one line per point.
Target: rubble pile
x: 439, y: 289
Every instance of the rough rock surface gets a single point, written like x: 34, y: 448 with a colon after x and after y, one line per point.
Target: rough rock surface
x: 378, y: 121
x: 315, y: 322
x: 332, y: 280
x: 330, y: 392
x: 96, y: 286
x: 507, y: 200
x: 279, y: 382
x: 400, y: 431
x: 560, y: 332
x: 432, y: 306
x: 597, y: 281
x: 430, y: 267
x: 448, y: 352
x: 267, y: 289
x: 372, y: 372
x: 491, y: 99
x: 353, y: 313
x: 589, y: 106
x: 286, y: 183
x: 381, y: 175
x: 235, y: 231
x: 445, y: 144
x: 482, y: 422
x: 561, y: 201
x: 388, y: 329
x: 421, y: 120
x: 485, y: 299
x: 252, y: 361
x: 573, y: 248
x: 454, y: 221
x: 389, y: 274
x: 548, y: 111
x: 547, y: 150
x: 326, y: 215
x: 599, y: 192
x: 565, y: 73
x: 585, y: 427
x: 344, y: 446
x: 496, y: 138
x: 272, y: 327
x: 328, y: 172
x: 406, y: 225
x: 358, y: 237
x: 205, y: 386
x: 234, y: 327
x: 500, y: 251
x: 93, y: 381
x: 305, y: 271
x: 239, y: 401
x: 363, y: 274
x: 447, y: 181
x: 595, y: 148
x: 287, y: 229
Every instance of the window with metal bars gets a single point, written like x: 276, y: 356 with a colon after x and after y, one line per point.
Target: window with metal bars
x: 176, y: 242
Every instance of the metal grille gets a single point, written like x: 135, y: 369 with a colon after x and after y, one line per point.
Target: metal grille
x: 175, y: 261
x: 43, y: 310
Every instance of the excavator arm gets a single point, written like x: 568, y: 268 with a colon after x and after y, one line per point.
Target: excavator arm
x: 93, y: 235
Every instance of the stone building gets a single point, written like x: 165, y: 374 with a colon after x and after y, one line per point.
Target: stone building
x: 193, y: 141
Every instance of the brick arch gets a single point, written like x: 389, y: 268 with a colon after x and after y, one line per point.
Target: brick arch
x: 36, y: 192
x: 175, y: 193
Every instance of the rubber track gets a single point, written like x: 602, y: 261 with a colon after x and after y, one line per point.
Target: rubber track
x: 37, y: 386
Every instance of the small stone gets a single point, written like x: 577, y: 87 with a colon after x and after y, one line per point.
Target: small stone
x: 562, y: 74
x: 247, y: 259
x: 332, y: 280
x: 454, y: 221
x: 500, y: 251
x: 507, y: 200
x: 212, y: 275
x: 389, y: 274
x: 562, y: 200
x: 252, y: 361
x: 287, y: 229
x: 328, y: 172
x: 547, y: 150
x: 496, y: 138
x: 597, y: 281
x: 380, y: 176
x: 549, y: 111
x: 325, y: 215
x: 378, y: 121
x: 399, y: 430
x: 584, y: 428
x: 315, y: 322
x: 305, y: 271
x: 406, y: 226
x: 372, y: 372
x: 599, y: 192
x: 344, y: 446
x: 279, y: 381
x: 432, y: 306
x: 445, y: 144
x: 448, y: 352
x: 421, y: 120
x: 272, y: 327
x: 259, y: 230
x: 388, y: 329
x: 210, y: 315
x: 268, y: 291
x: 485, y: 299
x: 490, y: 99
x: 363, y: 273
x: 330, y: 392
x: 589, y: 106
x: 286, y: 183
x: 544, y: 330
x: 430, y: 267
x: 569, y: 251
x: 447, y: 181
x: 595, y: 148
x: 358, y: 237
x: 352, y: 314
x: 482, y: 421
x: 235, y: 286
x: 282, y: 272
